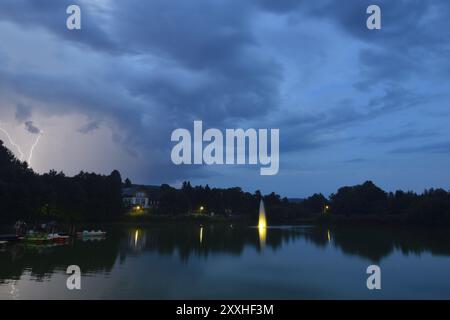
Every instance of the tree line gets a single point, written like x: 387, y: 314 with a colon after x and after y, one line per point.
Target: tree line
x: 29, y: 196
x: 360, y: 202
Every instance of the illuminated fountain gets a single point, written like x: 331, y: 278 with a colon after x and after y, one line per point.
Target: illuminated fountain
x: 262, y: 225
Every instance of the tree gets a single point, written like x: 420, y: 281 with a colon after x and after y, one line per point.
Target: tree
x: 128, y: 183
x: 360, y: 200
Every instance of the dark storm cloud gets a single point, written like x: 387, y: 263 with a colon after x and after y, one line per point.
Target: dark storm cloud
x: 172, y: 62
x: 89, y: 127
x: 406, y: 24
x: 52, y: 16
x: 23, y: 112
x: 31, y: 127
x: 318, y: 130
x: 201, y: 38
x: 214, y: 39
x: 406, y: 47
x: 380, y: 66
x: 199, y: 35
x: 413, y: 35
x: 211, y: 40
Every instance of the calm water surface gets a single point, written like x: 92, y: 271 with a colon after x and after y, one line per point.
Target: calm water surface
x: 230, y: 262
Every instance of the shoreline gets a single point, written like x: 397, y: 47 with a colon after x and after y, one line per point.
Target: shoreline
x: 319, y: 220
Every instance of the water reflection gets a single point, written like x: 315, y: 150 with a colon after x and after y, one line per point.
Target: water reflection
x: 14, y: 290
x: 187, y: 241
x: 137, y: 240
x: 41, y: 261
x: 262, y: 232
x: 201, y: 235
x: 136, y: 237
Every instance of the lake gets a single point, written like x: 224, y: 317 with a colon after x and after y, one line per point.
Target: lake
x: 233, y: 262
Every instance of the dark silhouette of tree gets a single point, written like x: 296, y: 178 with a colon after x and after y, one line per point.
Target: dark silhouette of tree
x: 315, y: 204
x: 128, y: 183
x: 362, y: 199
x: 29, y: 196
x: 88, y: 196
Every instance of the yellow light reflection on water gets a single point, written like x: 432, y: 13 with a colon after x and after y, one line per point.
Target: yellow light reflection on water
x: 262, y: 236
x: 136, y: 237
x: 329, y: 236
x: 262, y: 223
x: 201, y: 235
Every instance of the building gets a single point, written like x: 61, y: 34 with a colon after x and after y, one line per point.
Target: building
x: 140, y: 197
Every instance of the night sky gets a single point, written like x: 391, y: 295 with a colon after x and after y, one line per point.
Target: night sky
x: 351, y: 104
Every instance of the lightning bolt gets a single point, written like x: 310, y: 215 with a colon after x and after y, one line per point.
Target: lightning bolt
x: 34, y: 146
x: 12, y: 143
x: 19, y: 150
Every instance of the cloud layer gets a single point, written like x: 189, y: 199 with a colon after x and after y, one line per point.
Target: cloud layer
x: 140, y: 69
